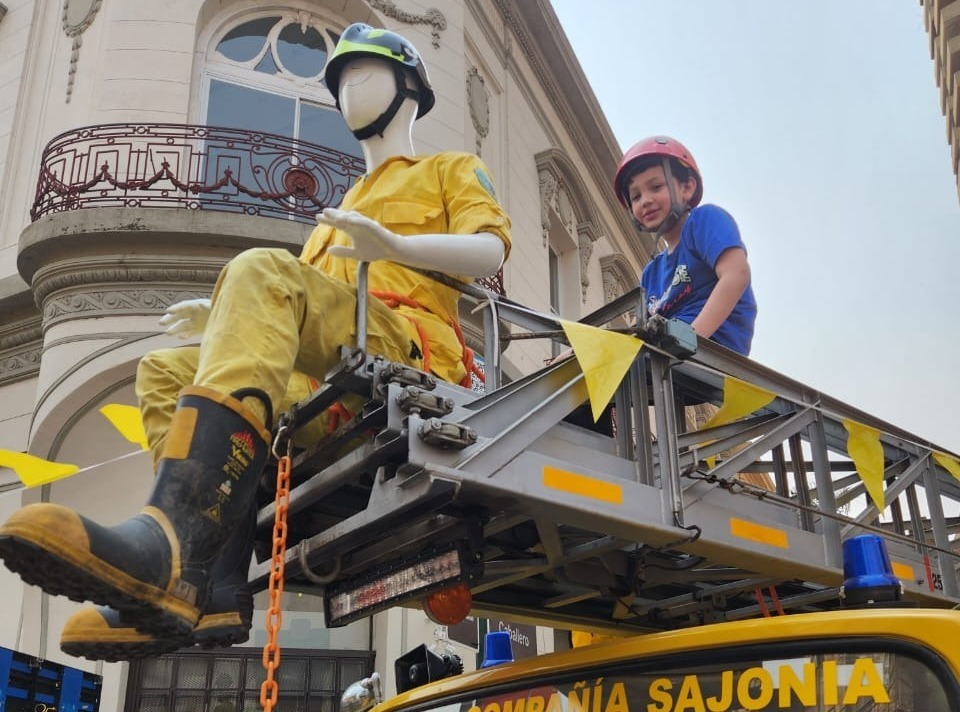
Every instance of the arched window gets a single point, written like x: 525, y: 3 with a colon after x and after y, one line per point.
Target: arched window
x: 266, y: 74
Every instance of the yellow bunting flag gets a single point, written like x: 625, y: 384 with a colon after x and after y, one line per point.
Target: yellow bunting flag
x: 126, y: 419
x: 604, y: 357
x: 34, y: 471
x: 948, y: 463
x: 864, y: 448
x: 739, y: 400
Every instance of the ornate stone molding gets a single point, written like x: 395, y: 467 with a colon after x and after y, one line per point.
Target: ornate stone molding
x: 548, y: 196
x: 431, y: 17
x: 478, y: 99
x: 564, y: 196
x: 618, y: 276
x: 56, y: 278
x: 77, y: 16
x: 18, y: 364
x: 586, y: 236
x: 94, y: 288
x: 20, y: 333
x: 114, y: 302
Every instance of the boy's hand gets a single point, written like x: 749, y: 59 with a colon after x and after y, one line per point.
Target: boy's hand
x: 187, y: 318
x: 371, y: 240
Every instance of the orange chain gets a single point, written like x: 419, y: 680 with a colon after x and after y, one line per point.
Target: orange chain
x: 269, y: 691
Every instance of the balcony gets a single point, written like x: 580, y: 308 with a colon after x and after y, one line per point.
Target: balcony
x: 195, y: 168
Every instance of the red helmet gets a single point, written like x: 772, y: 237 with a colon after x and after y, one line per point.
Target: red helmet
x: 662, y: 146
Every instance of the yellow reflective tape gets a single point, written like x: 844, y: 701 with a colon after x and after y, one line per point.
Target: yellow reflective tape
x: 582, y: 485
x: 904, y: 572
x: 759, y: 533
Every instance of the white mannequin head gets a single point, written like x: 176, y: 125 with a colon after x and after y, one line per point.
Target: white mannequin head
x: 367, y: 86
x: 381, y: 85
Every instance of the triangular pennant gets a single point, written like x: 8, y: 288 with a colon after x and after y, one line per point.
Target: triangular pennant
x: 126, y: 419
x: 740, y: 399
x: 34, y: 471
x: 864, y: 448
x: 604, y: 357
x: 948, y: 463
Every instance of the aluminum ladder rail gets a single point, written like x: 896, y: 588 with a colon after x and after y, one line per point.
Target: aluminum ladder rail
x: 622, y: 532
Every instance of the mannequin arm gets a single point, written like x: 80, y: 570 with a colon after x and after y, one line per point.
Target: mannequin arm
x: 186, y: 319
x: 478, y: 255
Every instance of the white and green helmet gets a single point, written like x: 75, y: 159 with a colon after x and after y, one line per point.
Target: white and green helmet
x: 361, y: 40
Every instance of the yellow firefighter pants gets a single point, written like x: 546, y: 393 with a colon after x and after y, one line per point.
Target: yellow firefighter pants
x: 272, y: 314
x: 162, y: 373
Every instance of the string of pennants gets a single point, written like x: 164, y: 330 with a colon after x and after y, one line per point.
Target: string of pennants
x: 604, y: 358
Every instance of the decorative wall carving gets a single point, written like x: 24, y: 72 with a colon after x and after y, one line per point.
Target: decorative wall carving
x: 50, y: 280
x: 548, y: 196
x: 114, y: 302
x: 78, y: 15
x: 431, y: 17
x: 81, y: 289
x: 18, y: 364
x: 479, y: 102
x: 618, y: 276
x: 563, y: 194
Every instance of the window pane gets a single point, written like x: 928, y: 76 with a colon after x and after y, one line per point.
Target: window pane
x: 290, y: 703
x: 226, y: 674
x: 192, y: 674
x: 243, y: 43
x: 153, y: 704
x: 189, y: 703
x: 245, y: 108
x: 267, y: 65
x: 302, y: 53
x: 322, y: 703
x: 223, y: 703
x: 292, y: 674
x: 350, y: 672
x: 327, y: 128
x: 156, y: 673
x: 322, y: 674
x: 255, y: 675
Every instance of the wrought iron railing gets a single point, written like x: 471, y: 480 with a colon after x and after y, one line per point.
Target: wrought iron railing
x: 193, y: 167
x: 196, y: 168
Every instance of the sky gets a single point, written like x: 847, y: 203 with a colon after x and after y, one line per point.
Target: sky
x: 817, y: 125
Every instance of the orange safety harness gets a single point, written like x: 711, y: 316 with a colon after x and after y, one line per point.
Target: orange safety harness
x: 393, y: 300
x: 338, y: 414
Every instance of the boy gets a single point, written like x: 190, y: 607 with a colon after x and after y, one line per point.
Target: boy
x: 702, y: 277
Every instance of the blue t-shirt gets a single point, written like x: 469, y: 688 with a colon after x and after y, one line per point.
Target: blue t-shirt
x: 678, y: 283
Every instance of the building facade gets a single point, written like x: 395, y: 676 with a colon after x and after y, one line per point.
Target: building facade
x: 142, y: 144
x: 942, y: 20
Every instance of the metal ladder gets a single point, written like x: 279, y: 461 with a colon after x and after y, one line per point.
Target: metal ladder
x: 606, y: 528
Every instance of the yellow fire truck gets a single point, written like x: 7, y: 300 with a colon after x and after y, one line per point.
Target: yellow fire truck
x: 510, y: 502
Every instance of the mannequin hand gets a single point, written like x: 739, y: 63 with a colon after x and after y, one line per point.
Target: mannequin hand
x: 371, y: 241
x: 187, y: 318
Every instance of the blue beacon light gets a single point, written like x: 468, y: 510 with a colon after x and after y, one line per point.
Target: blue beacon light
x: 497, y: 649
x: 867, y: 573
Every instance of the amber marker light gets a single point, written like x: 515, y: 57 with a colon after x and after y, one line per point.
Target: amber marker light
x: 448, y: 606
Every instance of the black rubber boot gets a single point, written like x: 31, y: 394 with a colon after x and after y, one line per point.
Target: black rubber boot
x: 101, y: 633
x: 155, y: 567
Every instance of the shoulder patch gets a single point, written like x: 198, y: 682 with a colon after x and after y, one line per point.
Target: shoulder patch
x: 485, y: 182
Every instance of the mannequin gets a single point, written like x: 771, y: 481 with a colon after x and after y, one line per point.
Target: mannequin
x: 270, y: 313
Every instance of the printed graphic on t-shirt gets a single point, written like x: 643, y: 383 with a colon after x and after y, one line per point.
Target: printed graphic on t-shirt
x: 680, y: 286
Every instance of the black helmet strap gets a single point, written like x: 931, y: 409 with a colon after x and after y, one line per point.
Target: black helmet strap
x: 677, y: 209
x: 379, y: 125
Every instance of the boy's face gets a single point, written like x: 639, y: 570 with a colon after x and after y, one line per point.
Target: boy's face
x: 650, y: 197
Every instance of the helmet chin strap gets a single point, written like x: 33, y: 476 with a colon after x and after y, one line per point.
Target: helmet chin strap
x: 379, y: 125
x: 677, y: 209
